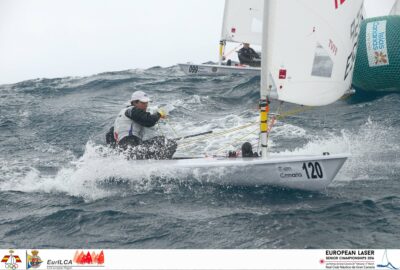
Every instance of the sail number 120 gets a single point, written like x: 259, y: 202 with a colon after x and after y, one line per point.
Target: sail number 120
x: 313, y: 170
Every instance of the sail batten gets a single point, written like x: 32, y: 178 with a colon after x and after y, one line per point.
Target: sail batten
x: 311, y: 49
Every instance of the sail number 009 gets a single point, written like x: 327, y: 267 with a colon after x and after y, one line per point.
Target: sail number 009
x: 313, y: 170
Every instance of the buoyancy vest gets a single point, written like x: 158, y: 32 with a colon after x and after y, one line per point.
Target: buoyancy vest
x: 124, y: 126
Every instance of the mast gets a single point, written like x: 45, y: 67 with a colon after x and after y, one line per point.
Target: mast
x: 221, y: 51
x: 265, y: 87
x: 222, y: 42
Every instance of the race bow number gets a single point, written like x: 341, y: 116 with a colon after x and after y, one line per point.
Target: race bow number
x: 313, y: 170
x: 193, y: 69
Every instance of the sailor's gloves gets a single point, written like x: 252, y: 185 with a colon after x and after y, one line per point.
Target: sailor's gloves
x: 163, y: 113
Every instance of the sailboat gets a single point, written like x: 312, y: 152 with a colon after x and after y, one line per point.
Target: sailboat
x: 377, y: 66
x: 309, y: 48
x: 242, y: 23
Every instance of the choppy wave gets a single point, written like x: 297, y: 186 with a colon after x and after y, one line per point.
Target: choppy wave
x: 57, y: 173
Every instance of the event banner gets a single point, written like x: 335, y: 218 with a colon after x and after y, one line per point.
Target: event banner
x: 255, y: 259
x: 375, y: 38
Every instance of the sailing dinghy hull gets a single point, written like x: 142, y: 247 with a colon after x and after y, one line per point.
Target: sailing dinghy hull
x: 204, y: 69
x: 311, y: 173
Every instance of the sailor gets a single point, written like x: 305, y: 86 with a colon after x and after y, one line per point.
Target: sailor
x: 247, y: 150
x: 129, y: 130
x: 248, y: 56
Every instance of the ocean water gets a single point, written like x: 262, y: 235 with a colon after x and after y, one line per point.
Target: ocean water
x: 60, y: 187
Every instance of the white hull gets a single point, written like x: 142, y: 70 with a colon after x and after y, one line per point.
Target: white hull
x: 204, y: 69
x: 298, y: 172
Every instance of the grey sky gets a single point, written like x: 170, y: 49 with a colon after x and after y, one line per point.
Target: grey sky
x: 48, y: 38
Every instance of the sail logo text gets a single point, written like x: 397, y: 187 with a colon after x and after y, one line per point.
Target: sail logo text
x: 333, y: 47
x: 354, y: 33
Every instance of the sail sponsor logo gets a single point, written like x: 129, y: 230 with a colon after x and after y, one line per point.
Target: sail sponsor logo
x: 354, y: 33
x: 282, y: 74
x: 333, y: 47
x: 338, y: 2
x: 375, y: 40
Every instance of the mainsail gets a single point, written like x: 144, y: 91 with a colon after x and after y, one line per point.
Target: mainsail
x: 243, y: 21
x: 309, y: 49
x: 396, y: 8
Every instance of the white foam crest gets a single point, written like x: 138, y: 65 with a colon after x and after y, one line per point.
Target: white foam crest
x: 67, y: 180
x: 375, y: 153
x: 288, y: 131
x: 329, y: 143
x: 373, y: 150
x: 73, y: 82
x: 87, y: 177
x: 188, y: 102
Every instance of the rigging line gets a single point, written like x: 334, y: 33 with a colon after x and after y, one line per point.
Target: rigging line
x: 171, y: 127
x: 346, y: 96
x: 237, y: 140
x: 231, y: 51
x: 220, y: 133
x: 273, y: 120
x: 278, y: 117
x: 160, y: 129
x: 219, y: 149
x: 293, y: 112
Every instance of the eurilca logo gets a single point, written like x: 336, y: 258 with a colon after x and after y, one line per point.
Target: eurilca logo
x: 11, y: 261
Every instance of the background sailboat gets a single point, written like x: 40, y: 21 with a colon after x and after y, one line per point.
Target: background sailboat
x: 242, y: 23
x: 377, y: 65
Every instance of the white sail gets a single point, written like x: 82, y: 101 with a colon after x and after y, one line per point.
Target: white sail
x: 243, y: 21
x: 310, y: 49
x: 396, y: 8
